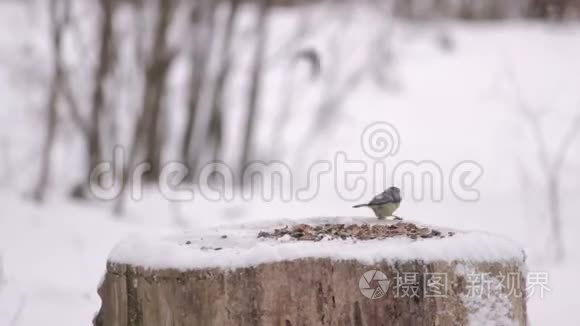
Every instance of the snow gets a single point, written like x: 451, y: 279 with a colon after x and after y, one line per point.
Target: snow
x: 447, y: 106
x: 489, y: 307
x: 492, y: 309
x: 238, y: 246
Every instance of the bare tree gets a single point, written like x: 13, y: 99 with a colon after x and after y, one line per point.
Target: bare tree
x: 338, y: 85
x: 155, y: 76
x: 255, y: 84
x: 551, y: 166
x: 203, y: 24
x: 59, y: 11
x: 218, y: 102
x: 552, y: 169
x: 148, y: 132
x: 104, y: 68
x: 548, y: 8
x: 289, y: 85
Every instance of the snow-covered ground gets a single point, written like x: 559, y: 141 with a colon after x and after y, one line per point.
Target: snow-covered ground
x: 447, y: 105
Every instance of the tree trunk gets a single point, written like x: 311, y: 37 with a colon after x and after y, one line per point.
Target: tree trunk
x: 299, y: 292
x: 49, y: 138
x: 215, y: 126
x: 104, y: 67
x: 255, y: 86
x: 203, y: 18
x: 155, y: 76
x: 58, y: 16
x: 287, y: 277
x: 147, y: 135
x: 555, y: 216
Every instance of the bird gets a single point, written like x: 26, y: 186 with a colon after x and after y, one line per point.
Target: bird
x: 385, y: 203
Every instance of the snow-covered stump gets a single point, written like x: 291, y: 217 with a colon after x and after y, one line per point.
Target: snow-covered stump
x: 315, y: 273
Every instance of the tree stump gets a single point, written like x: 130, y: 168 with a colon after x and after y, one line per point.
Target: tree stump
x: 351, y: 271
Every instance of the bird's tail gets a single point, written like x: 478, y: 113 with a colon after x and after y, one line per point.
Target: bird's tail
x: 360, y: 205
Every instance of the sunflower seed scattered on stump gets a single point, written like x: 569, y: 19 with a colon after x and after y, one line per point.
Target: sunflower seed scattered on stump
x: 305, y: 232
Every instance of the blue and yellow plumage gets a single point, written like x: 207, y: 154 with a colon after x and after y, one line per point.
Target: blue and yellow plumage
x: 385, y: 204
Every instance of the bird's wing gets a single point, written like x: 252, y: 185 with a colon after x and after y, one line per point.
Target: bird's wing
x: 381, y: 199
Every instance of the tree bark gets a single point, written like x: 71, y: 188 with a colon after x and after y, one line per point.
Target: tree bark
x: 147, y: 135
x: 218, y: 102
x: 203, y: 18
x: 255, y: 86
x: 320, y: 271
x: 58, y: 17
x: 299, y: 292
x: 155, y: 76
x: 104, y: 67
x: 49, y: 138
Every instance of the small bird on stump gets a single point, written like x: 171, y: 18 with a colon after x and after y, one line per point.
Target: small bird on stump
x: 385, y: 203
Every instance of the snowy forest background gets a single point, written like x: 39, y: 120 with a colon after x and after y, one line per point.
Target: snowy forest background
x: 490, y: 81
